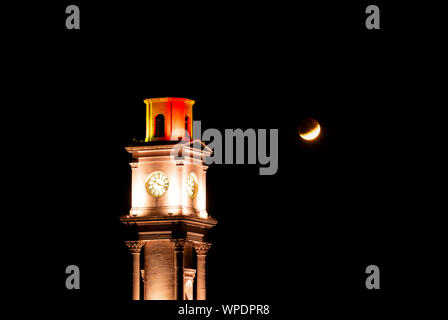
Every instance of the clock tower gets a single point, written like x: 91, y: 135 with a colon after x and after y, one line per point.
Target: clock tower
x: 168, y: 210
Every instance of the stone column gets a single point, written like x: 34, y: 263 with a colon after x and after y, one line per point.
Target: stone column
x: 179, y: 269
x: 202, y: 198
x: 135, y: 247
x: 180, y: 179
x: 201, y: 252
x: 204, y: 183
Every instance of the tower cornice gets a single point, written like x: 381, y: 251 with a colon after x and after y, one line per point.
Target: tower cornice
x: 169, y: 145
x: 163, y: 220
x: 167, y: 99
x: 195, y: 150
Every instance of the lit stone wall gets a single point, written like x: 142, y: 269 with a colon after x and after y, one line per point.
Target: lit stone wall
x: 159, y: 270
x: 175, y: 200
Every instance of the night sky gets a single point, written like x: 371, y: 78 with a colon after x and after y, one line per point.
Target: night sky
x: 359, y: 195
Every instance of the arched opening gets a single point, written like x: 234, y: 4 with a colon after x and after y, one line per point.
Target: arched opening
x: 160, y: 126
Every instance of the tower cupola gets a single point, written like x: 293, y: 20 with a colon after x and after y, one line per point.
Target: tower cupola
x: 169, y: 119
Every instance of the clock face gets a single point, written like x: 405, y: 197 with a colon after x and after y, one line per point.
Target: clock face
x: 157, y: 184
x: 192, y: 185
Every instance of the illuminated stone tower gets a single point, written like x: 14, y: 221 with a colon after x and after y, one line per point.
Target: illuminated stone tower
x: 168, y: 211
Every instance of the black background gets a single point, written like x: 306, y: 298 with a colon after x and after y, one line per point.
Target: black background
x: 300, y: 240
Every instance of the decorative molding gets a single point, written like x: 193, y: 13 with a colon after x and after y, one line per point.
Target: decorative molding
x: 154, y: 235
x: 189, y: 273
x: 179, y: 244
x: 153, y: 219
x: 201, y: 247
x: 195, y: 237
x: 135, y: 246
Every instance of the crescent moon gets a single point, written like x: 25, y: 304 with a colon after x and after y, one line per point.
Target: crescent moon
x: 311, y: 135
